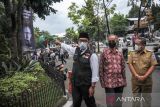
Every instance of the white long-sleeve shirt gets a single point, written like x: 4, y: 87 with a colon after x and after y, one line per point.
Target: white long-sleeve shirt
x: 93, y: 61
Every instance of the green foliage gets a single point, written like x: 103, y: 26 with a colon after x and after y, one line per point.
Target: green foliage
x: 42, y: 8
x: 1, y: 9
x: 73, y: 13
x: 3, y: 22
x: 72, y: 34
x: 21, y: 81
x: 4, y: 50
x: 118, y: 24
x: 36, y: 32
x: 4, y: 53
x: 156, y: 13
x: 41, y: 36
x: 133, y: 13
x: 84, y: 17
x: 110, y: 10
x: 11, y: 22
x: 89, y: 17
x: 16, y: 84
x: 10, y: 67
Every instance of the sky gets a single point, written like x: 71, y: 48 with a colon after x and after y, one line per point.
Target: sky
x: 59, y: 22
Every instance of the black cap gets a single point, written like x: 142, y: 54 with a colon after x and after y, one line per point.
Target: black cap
x: 84, y: 35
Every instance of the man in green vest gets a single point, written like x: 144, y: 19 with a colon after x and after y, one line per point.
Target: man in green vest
x: 85, y: 71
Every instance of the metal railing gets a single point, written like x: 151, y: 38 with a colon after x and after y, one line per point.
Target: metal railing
x: 45, y: 96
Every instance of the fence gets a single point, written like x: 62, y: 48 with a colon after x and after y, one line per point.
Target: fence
x: 44, y: 96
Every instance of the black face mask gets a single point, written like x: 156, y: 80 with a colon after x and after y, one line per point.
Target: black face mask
x: 112, y: 44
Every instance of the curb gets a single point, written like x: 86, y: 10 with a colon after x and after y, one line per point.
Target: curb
x: 69, y: 102
x: 61, y: 101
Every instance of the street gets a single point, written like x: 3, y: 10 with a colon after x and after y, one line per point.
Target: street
x: 34, y: 59
x: 100, y: 93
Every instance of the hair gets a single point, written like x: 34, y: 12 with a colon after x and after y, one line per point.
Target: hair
x: 83, y: 35
x: 116, y: 37
x: 142, y: 40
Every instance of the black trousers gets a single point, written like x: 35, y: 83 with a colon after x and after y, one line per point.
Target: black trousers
x: 125, y: 53
x: 62, y: 59
x: 112, y: 94
x: 82, y: 92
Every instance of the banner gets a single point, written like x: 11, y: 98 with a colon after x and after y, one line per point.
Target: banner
x: 28, y: 41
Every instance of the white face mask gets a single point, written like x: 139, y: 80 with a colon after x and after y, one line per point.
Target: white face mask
x: 137, y: 48
x: 83, y: 45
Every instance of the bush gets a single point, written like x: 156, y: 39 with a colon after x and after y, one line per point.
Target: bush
x: 20, y: 81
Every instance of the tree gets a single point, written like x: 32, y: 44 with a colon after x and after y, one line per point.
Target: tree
x: 72, y: 34
x: 156, y: 15
x: 143, y: 3
x: 84, y: 17
x: 42, y: 8
x: 36, y: 32
x: 89, y: 18
x: 108, y: 11
x: 37, y: 35
x: 133, y: 13
x: 13, y: 13
x: 118, y: 24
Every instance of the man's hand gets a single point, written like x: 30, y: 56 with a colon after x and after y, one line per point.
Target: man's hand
x: 60, y: 67
x: 137, y: 76
x: 142, y: 78
x: 91, y: 91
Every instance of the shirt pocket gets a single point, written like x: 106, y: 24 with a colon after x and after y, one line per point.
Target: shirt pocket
x: 146, y: 62
x: 135, y: 60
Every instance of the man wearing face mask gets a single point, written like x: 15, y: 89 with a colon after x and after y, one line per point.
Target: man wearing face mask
x: 141, y: 63
x: 84, y: 71
x: 112, y: 72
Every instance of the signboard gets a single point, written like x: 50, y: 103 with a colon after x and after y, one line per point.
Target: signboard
x: 28, y: 42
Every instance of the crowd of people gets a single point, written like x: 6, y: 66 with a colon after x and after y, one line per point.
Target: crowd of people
x: 47, y: 54
x: 110, y: 70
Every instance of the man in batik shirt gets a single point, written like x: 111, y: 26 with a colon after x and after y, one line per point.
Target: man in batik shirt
x: 112, y: 73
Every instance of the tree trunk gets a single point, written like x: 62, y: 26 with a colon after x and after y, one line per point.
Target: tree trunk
x: 139, y: 17
x: 106, y: 15
x: 19, y: 26
x: 11, y: 20
x: 108, y: 24
x: 97, y: 20
x: 98, y: 34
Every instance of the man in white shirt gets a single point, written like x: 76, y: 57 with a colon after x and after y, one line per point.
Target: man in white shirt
x: 125, y: 48
x: 62, y: 56
x: 84, y: 71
